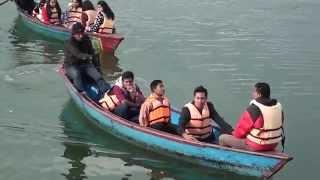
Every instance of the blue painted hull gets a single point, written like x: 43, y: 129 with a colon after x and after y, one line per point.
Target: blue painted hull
x: 106, y: 43
x: 238, y: 161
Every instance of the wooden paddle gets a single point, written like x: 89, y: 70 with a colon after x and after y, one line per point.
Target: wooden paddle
x: 5, y: 1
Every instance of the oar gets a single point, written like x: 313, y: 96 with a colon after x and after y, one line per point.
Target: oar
x: 2, y: 3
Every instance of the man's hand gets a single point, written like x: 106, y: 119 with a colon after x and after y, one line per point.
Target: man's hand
x: 87, y: 57
x: 189, y: 137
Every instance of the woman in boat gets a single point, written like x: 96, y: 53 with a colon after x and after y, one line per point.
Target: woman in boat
x: 74, y: 13
x: 88, y: 13
x: 104, y: 22
x: 51, y: 12
x: 37, y: 11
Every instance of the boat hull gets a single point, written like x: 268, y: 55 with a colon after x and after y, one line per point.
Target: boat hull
x: 107, y: 43
x: 237, y: 161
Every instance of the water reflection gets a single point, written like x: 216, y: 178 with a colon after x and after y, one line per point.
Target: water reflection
x: 31, y: 48
x: 88, y: 147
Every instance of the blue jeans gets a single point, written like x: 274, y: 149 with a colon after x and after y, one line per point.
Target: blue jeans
x: 214, y: 137
x: 77, y: 72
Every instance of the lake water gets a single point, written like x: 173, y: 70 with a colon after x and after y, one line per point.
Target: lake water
x: 225, y: 45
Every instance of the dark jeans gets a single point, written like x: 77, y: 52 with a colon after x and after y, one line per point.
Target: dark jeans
x: 77, y: 72
x: 164, y: 127
x: 126, y: 112
x: 214, y: 137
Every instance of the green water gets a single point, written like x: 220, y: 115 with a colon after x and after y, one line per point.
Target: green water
x: 225, y: 45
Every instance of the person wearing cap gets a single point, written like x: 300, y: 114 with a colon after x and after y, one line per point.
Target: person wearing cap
x: 79, y: 60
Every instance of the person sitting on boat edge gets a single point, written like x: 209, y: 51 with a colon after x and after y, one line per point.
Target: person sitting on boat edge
x: 51, y: 13
x: 88, y: 14
x: 74, y: 13
x: 104, y: 22
x: 260, y: 127
x: 199, y: 121
x: 79, y: 60
x: 155, y: 111
x: 125, y: 97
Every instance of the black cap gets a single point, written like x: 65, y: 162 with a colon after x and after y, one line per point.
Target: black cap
x: 77, y: 28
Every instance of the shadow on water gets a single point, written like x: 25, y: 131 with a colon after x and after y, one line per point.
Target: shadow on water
x: 83, y: 139
x: 31, y: 48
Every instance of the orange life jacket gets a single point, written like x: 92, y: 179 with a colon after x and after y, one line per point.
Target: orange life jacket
x: 160, y: 111
x: 107, y: 26
x: 200, y: 124
x: 109, y: 102
x: 271, y: 132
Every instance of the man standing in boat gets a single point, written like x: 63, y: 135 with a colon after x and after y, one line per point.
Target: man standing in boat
x: 260, y: 128
x: 199, y: 121
x: 155, y: 111
x: 79, y: 60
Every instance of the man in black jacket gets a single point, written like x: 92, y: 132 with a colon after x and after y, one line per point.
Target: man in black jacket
x: 26, y: 5
x: 79, y: 60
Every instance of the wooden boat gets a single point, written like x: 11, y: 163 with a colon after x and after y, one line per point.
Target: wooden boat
x: 243, y: 162
x: 101, y: 42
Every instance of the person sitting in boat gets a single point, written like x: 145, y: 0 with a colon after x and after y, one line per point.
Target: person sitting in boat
x: 88, y: 13
x: 125, y: 97
x: 74, y: 13
x: 37, y: 11
x: 26, y: 5
x: 260, y: 127
x: 79, y: 60
x: 51, y: 13
x: 104, y: 22
x: 155, y: 111
x: 199, y: 121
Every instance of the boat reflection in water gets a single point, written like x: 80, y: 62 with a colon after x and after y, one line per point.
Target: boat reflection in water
x: 92, y: 152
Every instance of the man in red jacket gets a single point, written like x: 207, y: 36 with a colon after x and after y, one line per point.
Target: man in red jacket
x: 260, y: 127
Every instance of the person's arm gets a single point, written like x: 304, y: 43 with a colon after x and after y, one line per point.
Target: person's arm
x: 99, y: 20
x: 244, y: 125
x: 75, y: 52
x: 139, y: 99
x: 225, y: 127
x: 89, y: 45
x: 144, y: 114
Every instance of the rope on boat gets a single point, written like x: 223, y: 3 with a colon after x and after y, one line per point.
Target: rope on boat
x: 2, y: 3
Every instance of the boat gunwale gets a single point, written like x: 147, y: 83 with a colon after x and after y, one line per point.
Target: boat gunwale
x: 282, y: 156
